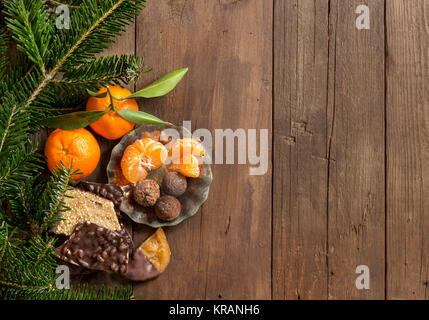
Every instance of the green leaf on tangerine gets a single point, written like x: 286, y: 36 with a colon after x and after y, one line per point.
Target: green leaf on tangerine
x: 73, y: 121
x: 161, y: 86
x: 96, y: 95
x: 140, y: 117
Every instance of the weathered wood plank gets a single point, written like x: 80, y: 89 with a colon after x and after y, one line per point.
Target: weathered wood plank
x: 407, y: 149
x: 356, y: 149
x: 224, y: 251
x: 300, y: 163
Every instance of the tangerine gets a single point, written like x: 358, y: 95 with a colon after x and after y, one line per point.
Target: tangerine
x: 112, y: 126
x: 187, y: 165
x: 75, y: 148
x: 186, y: 145
x: 142, y: 156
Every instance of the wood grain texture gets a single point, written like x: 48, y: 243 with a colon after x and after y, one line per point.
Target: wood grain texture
x: 224, y: 251
x: 332, y: 206
x: 356, y: 149
x: 407, y: 149
x: 300, y: 140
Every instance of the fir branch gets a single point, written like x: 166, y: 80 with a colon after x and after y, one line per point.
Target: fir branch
x: 93, y: 27
x: 7, y: 128
x: 45, y: 254
x: 21, y: 279
x: 23, y: 286
x: 67, y: 99
x: 51, y: 202
x: 59, y: 3
x: 3, y: 50
x: 36, y: 89
x: 14, y: 124
x: 18, y: 172
x: 104, y: 71
x: 84, y: 292
x: 14, y: 119
x: 28, y: 23
x: 3, y: 250
x: 46, y: 78
x: 16, y: 73
x: 22, y: 163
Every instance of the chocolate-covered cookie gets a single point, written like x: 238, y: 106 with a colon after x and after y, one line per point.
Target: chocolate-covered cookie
x: 94, y: 247
x: 86, y: 206
x: 107, y: 191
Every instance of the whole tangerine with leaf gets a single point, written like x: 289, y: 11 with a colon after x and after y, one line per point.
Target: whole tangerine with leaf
x: 111, y: 125
x: 112, y: 112
x: 76, y: 149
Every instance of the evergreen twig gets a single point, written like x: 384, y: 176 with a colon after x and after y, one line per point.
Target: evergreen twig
x: 59, y: 3
x: 3, y: 50
x: 47, y: 77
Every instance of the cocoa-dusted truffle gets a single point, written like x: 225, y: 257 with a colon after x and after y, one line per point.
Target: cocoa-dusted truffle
x: 168, y: 208
x: 146, y: 193
x: 174, y: 184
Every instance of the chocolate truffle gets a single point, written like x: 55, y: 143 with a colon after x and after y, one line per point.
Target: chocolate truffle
x: 168, y: 208
x: 174, y: 184
x: 146, y: 193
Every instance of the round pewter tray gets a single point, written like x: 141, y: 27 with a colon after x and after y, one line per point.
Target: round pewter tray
x: 196, y: 194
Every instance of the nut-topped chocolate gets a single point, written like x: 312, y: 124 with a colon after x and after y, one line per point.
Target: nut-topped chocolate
x: 107, y: 191
x: 94, y: 247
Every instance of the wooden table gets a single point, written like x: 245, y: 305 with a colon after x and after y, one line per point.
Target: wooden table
x: 348, y: 110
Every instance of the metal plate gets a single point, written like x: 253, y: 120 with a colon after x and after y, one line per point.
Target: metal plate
x: 196, y: 194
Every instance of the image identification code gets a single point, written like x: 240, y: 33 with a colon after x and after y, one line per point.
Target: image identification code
x: 216, y: 309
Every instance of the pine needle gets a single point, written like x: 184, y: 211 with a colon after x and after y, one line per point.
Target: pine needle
x: 48, y: 77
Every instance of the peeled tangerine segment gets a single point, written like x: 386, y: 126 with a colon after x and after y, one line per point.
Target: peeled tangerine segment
x: 142, y: 156
x: 157, y: 250
x: 187, y: 165
x: 185, y: 146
